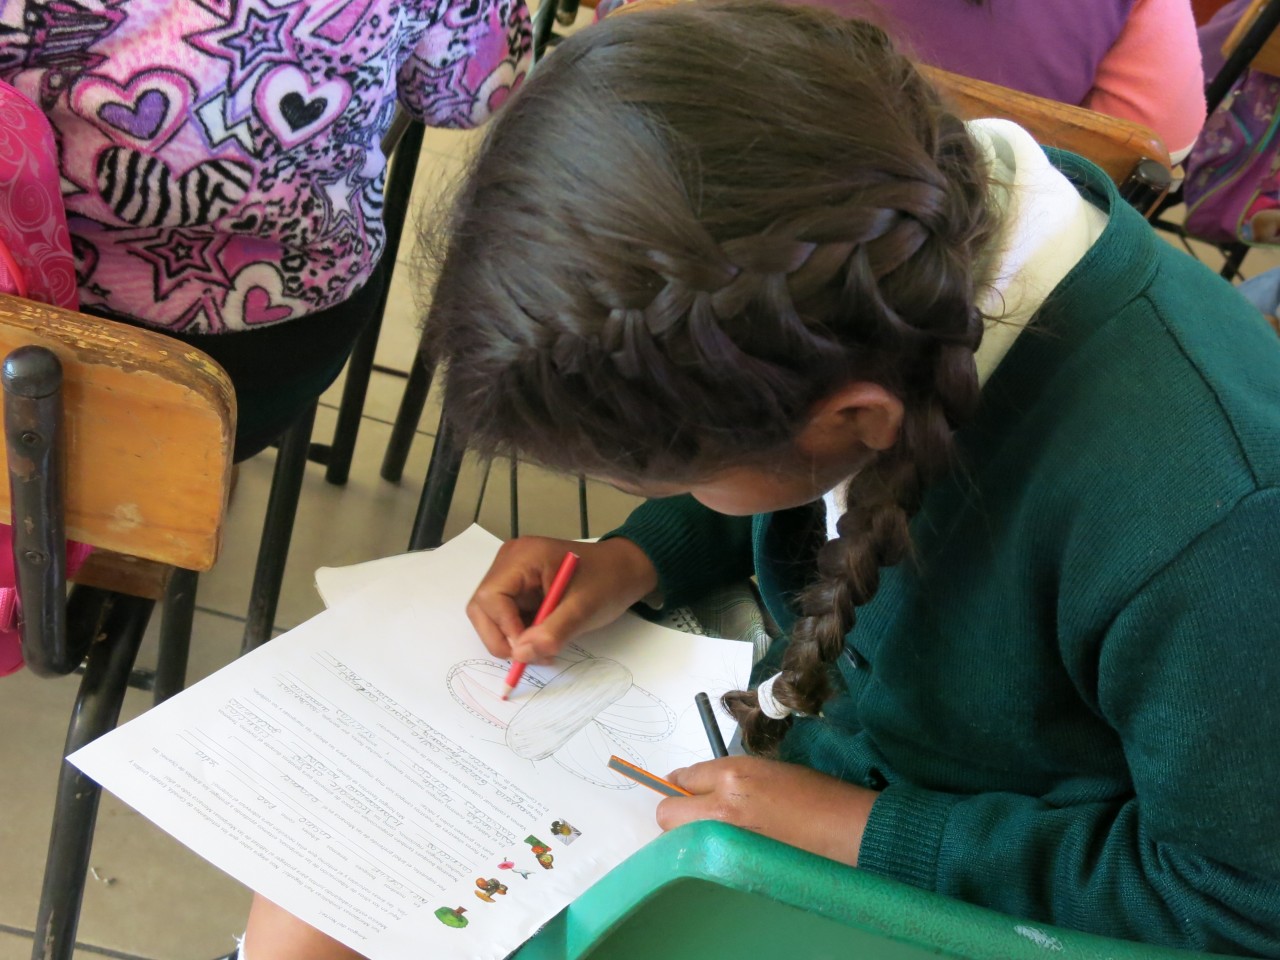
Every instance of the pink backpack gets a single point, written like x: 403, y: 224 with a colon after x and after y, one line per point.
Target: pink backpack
x: 35, y: 262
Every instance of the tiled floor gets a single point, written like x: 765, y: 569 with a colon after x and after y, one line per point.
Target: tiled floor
x: 148, y: 897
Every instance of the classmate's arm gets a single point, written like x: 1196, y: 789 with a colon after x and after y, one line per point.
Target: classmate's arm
x: 606, y: 7
x: 1152, y: 74
x: 1189, y: 676
x: 693, y: 548
x: 466, y: 64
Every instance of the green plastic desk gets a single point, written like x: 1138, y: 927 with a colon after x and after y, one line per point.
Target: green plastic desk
x: 709, y: 891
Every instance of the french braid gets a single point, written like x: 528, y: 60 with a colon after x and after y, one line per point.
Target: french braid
x: 690, y: 227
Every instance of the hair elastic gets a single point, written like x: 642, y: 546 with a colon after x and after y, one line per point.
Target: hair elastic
x: 768, y: 703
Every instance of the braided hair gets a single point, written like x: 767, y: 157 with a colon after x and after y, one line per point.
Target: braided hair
x: 687, y: 229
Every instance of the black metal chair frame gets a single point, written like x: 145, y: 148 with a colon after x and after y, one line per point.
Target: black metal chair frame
x: 446, y: 456
x: 98, y: 629
x: 296, y: 448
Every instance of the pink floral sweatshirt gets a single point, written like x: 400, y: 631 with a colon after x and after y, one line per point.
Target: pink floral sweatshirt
x: 221, y: 161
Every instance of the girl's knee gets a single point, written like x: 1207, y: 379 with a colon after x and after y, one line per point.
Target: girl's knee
x: 276, y: 934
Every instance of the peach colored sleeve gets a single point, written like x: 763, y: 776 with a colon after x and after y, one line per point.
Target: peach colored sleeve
x: 1152, y: 74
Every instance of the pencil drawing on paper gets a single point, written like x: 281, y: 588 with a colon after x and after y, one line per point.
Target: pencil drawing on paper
x: 577, y: 717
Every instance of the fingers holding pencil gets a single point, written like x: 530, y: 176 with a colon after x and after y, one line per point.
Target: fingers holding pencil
x: 786, y: 801
x: 559, y: 584
x: 611, y: 577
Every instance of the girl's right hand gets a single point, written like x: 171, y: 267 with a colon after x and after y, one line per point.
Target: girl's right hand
x: 611, y: 576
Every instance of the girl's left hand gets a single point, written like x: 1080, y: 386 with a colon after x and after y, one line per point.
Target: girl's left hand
x: 787, y: 802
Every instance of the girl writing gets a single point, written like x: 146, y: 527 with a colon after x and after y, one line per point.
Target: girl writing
x: 1004, y: 464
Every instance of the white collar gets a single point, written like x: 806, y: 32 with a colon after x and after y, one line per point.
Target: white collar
x: 1047, y: 228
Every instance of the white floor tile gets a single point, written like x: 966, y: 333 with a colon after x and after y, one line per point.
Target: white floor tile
x: 365, y: 519
x: 162, y: 900
x: 33, y: 714
x: 14, y: 946
x: 402, y: 323
x: 457, y: 144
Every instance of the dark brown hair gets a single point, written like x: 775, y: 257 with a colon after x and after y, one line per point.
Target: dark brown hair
x: 691, y: 225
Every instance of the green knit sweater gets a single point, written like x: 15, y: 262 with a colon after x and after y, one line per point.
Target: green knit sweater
x: 1070, y: 699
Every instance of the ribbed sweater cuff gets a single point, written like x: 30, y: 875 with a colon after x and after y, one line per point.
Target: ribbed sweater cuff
x: 687, y: 545
x: 904, y: 834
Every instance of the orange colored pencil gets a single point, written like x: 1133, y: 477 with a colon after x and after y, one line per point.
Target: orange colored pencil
x: 647, y: 779
x: 559, y: 584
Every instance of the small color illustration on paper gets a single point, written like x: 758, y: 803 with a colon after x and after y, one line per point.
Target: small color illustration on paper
x: 541, y: 852
x: 564, y: 832
x: 486, y: 890
x: 452, y: 917
x: 509, y: 864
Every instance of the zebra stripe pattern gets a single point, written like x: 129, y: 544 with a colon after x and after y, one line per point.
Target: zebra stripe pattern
x: 144, y: 192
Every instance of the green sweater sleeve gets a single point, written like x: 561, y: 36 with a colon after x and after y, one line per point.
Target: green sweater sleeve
x: 693, y: 548
x: 1189, y: 677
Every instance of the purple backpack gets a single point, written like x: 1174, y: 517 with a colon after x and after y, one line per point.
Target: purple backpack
x: 1232, y: 188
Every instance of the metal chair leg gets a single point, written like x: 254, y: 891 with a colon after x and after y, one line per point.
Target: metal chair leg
x: 515, y: 499
x: 567, y: 12
x: 351, y: 408
x: 176, y: 618
x: 584, y: 527
x: 412, y: 403
x: 437, y: 492
x: 96, y: 711
x: 1146, y: 186
x: 277, y: 531
x: 543, y: 21
x: 1235, y: 254
x: 32, y: 380
x: 404, y: 165
x: 484, y: 485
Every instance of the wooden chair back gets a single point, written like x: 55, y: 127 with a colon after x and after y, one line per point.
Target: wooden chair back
x: 148, y: 425
x: 1118, y: 146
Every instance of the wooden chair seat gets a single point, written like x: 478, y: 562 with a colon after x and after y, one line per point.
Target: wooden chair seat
x: 122, y: 439
x: 122, y: 573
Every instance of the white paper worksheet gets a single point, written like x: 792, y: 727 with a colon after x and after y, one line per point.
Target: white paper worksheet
x: 362, y: 771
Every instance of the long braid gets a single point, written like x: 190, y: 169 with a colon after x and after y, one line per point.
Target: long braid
x: 940, y: 391
x: 668, y: 252
x: 872, y: 534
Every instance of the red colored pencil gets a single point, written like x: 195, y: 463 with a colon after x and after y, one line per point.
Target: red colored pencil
x: 558, y: 586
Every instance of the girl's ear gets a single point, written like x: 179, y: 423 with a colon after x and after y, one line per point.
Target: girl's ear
x: 858, y: 414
